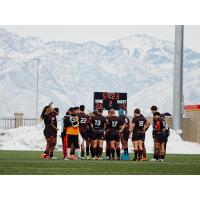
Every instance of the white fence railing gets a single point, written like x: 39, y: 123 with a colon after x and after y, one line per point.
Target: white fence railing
x: 15, y: 122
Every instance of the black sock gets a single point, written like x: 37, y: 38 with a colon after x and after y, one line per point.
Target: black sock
x: 92, y: 152
x: 140, y: 152
x: 113, y: 152
x: 82, y: 153
x: 46, y: 152
x: 162, y: 157
x: 87, y: 150
x: 135, y: 154
x: 108, y: 152
x: 95, y: 151
x: 118, y: 152
x: 100, y: 151
x: 51, y: 154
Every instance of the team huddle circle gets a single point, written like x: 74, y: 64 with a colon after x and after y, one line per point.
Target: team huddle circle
x: 83, y: 135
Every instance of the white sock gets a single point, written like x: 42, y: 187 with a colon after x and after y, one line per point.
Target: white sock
x: 78, y: 153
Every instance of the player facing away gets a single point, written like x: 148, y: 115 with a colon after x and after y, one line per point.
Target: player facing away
x: 160, y: 136
x: 71, y: 124
x: 138, y: 126
x: 50, y: 132
x: 153, y: 110
x: 98, y: 122
x: 114, y: 127
x: 107, y: 139
x: 125, y: 133
x: 83, y: 128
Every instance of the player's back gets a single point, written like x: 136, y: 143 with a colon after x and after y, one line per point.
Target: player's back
x: 83, y: 120
x: 139, y: 122
x: 98, y: 122
x: 113, y: 123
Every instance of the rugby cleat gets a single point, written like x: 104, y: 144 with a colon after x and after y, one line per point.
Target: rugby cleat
x: 66, y: 158
x: 107, y: 158
x: 88, y: 158
x: 153, y: 160
x: 53, y: 158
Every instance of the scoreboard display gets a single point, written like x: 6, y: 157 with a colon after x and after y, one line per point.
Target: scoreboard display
x: 107, y: 100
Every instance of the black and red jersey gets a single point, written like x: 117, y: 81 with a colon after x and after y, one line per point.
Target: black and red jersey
x: 98, y: 122
x: 83, y: 120
x: 114, y: 123
x: 139, y: 122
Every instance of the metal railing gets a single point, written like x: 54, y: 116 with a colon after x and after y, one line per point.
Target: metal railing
x: 15, y: 122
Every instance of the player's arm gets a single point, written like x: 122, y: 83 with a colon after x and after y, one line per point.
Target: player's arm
x: 146, y: 125
x: 132, y: 126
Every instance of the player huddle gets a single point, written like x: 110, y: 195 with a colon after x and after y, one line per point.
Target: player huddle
x: 82, y: 133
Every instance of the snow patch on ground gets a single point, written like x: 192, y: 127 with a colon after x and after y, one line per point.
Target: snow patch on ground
x: 31, y: 138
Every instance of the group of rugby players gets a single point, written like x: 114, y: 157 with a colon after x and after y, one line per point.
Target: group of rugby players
x: 82, y: 132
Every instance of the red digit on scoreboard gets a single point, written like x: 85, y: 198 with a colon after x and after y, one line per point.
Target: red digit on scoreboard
x: 104, y: 96
x: 99, y: 106
x: 113, y: 96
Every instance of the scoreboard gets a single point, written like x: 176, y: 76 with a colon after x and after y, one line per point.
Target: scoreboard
x: 107, y: 100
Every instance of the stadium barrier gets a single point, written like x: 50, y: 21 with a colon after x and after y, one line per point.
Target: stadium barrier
x: 17, y: 121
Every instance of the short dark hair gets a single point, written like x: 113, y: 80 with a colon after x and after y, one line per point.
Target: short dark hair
x: 56, y: 110
x: 156, y: 113
x: 82, y: 107
x: 154, y: 108
x: 71, y: 109
x: 76, y: 108
x: 137, y: 111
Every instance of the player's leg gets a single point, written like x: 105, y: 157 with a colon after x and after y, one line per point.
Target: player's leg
x: 77, y: 146
x: 94, y: 148
x: 112, y: 148
x: 100, y: 149
x: 162, y: 152
x: 136, y: 149
x: 83, y: 137
x: 69, y: 143
x: 52, y: 147
x: 46, y: 152
x: 117, y: 145
x: 157, y: 149
x: 140, y: 151
x: 108, y: 149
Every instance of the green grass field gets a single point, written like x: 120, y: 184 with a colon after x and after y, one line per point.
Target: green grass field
x: 30, y: 163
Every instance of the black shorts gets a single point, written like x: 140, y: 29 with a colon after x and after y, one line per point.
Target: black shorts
x: 83, y: 132
x: 114, y: 136
x: 139, y: 135
x: 88, y: 135
x: 97, y: 135
x: 161, y: 137
x: 125, y: 135
x: 72, y: 139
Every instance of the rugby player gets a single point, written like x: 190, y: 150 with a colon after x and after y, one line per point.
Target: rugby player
x: 160, y: 136
x: 138, y: 126
x: 71, y: 124
x: 125, y: 133
x: 114, y: 127
x: 50, y: 132
x: 83, y: 128
x: 98, y: 122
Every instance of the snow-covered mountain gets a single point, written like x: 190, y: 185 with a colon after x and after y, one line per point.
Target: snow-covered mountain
x: 69, y: 73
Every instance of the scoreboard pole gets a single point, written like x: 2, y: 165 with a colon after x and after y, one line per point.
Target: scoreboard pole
x: 178, y: 79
